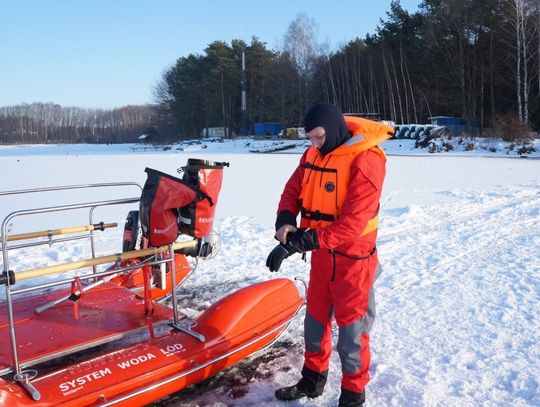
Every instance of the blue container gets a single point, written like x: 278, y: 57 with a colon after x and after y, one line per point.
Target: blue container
x: 267, y: 129
x: 456, y: 125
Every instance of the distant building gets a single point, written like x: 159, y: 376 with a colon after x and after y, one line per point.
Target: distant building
x: 150, y: 135
x: 294, y: 133
x: 144, y: 138
x: 267, y: 129
x: 456, y: 125
x: 214, y: 132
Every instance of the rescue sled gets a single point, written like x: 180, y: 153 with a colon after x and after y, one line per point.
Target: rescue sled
x: 102, y: 331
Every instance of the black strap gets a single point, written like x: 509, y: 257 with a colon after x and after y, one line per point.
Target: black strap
x: 317, y: 215
x: 201, y: 195
x: 316, y: 168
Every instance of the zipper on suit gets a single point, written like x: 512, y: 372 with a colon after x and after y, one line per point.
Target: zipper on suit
x: 333, y: 265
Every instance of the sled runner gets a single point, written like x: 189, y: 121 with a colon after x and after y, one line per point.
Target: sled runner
x: 101, y: 331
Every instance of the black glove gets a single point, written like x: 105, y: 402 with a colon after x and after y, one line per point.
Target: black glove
x: 277, y: 255
x: 303, y: 240
x: 297, y: 242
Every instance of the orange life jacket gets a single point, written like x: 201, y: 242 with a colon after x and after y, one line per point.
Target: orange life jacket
x: 326, y: 179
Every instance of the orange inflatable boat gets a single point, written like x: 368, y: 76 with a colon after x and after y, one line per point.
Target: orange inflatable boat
x: 105, y: 330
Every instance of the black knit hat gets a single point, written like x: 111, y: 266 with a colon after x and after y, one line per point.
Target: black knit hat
x: 329, y: 117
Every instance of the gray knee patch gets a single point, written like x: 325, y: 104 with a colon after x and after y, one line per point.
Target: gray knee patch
x: 313, y: 333
x: 349, y: 345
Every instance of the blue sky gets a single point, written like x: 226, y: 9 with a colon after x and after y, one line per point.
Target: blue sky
x: 110, y: 53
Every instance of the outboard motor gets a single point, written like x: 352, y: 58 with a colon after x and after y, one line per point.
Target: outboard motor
x: 197, y: 218
x: 172, y: 205
x: 133, y: 235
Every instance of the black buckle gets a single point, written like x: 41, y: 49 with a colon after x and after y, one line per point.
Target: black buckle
x: 7, y: 277
x: 317, y: 215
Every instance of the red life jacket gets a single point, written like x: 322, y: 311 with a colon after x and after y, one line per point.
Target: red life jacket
x: 326, y: 179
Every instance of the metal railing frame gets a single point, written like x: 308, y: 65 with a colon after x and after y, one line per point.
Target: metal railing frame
x: 5, y: 248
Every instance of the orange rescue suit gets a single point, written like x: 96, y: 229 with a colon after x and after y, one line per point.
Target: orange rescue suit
x: 338, y: 196
x: 325, y: 179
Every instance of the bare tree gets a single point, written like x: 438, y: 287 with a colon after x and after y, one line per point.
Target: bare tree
x: 520, y: 14
x: 301, y: 45
x: 47, y: 122
x: 537, y: 17
x: 393, y: 113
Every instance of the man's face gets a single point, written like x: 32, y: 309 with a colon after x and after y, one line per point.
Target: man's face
x: 317, y: 136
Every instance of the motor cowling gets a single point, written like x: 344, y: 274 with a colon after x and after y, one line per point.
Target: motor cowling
x: 170, y: 206
x: 197, y: 218
x: 133, y: 238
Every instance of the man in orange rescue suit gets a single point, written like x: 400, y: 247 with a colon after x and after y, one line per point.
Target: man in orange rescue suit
x: 336, y: 188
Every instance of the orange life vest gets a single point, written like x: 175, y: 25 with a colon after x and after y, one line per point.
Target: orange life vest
x: 326, y: 179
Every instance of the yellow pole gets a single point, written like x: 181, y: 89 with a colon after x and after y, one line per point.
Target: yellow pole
x: 58, y: 268
x: 63, y: 231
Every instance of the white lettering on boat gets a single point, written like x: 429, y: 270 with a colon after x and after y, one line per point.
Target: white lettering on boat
x: 70, y: 386
x: 172, y: 349
x: 75, y: 390
x: 78, y: 369
x: 136, y: 360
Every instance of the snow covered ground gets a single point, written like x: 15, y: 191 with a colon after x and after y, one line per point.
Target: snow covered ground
x: 449, y: 146
x: 458, y: 303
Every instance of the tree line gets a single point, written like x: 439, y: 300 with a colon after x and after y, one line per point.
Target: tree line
x: 477, y: 60
x: 51, y: 123
x: 474, y: 59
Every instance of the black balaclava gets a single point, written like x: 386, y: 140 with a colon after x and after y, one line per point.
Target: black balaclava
x: 330, y: 118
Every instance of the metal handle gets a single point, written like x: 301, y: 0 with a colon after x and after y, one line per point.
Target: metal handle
x: 189, y: 331
x: 23, y: 378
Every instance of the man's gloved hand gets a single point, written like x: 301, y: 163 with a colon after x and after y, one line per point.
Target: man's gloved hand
x: 277, y: 255
x: 303, y: 240
x: 297, y: 242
